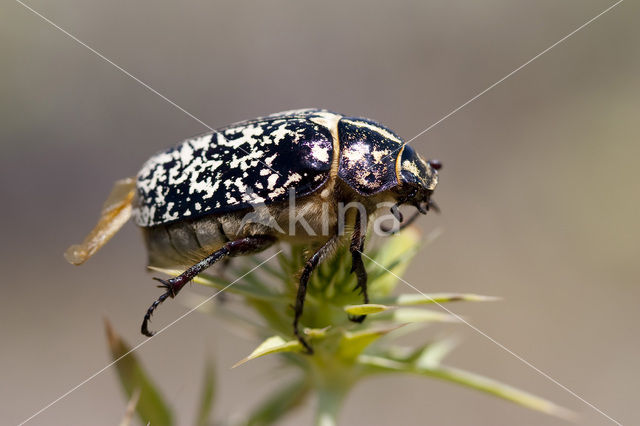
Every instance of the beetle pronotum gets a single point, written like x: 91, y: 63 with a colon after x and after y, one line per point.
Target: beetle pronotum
x: 190, y: 200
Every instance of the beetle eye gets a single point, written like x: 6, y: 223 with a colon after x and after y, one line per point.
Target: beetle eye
x: 435, y: 164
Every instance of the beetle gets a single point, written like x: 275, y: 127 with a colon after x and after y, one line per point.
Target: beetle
x: 191, y: 201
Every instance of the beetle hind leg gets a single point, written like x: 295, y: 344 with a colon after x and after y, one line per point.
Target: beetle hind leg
x: 168, y: 285
x: 243, y: 246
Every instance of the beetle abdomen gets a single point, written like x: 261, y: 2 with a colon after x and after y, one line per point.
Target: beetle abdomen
x: 187, y: 241
x: 182, y: 242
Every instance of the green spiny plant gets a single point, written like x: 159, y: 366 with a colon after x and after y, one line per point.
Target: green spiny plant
x: 345, y: 352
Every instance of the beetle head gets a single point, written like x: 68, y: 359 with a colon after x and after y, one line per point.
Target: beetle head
x: 418, y: 180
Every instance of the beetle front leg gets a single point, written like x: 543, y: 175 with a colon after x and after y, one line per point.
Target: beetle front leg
x: 243, y: 246
x: 357, y: 265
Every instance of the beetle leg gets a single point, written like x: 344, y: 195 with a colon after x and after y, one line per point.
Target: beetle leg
x: 243, y: 246
x: 430, y: 205
x: 311, y: 264
x: 396, y: 213
x: 357, y: 265
x: 391, y: 231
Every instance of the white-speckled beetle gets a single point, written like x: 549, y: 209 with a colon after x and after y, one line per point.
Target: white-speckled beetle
x: 190, y: 200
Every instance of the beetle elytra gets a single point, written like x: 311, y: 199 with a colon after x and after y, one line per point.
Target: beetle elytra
x: 191, y: 201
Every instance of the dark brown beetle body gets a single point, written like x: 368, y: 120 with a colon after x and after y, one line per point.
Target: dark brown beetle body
x: 243, y: 188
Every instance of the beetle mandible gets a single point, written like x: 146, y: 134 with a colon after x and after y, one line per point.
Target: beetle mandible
x: 190, y: 200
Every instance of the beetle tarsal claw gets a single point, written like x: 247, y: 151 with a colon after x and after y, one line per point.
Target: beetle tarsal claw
x: 167, y: 285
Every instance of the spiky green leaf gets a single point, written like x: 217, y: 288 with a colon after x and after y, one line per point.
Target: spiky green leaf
x: 151, y: 407
x: 367, y: 309
x: 427, y: 298
x: 280, y: 403
x: 394, y: 256
x: 413, y: 315
x: 353, y: 343
x: 207, y: 395
x: 272, y: 345
x: 470, y: 380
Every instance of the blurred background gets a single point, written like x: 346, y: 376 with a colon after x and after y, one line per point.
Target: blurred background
x: 539, y: 193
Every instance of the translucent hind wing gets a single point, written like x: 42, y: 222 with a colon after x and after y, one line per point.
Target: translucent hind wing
x: 116, y: 211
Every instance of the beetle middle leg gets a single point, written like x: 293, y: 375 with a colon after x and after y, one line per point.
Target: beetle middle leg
x: 243, y: 246
x: 357, y: 265
x: 311, y: 264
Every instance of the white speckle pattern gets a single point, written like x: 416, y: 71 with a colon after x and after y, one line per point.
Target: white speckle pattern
x: 258, y: 161
x: 252, y: 162
x: 365, y: 161
x: 320, y: 152
x: 415, y: 170
x: 271, y: 181
x: 385, y: 133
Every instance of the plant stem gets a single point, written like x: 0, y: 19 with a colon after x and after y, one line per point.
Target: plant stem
x: 329, y: 403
